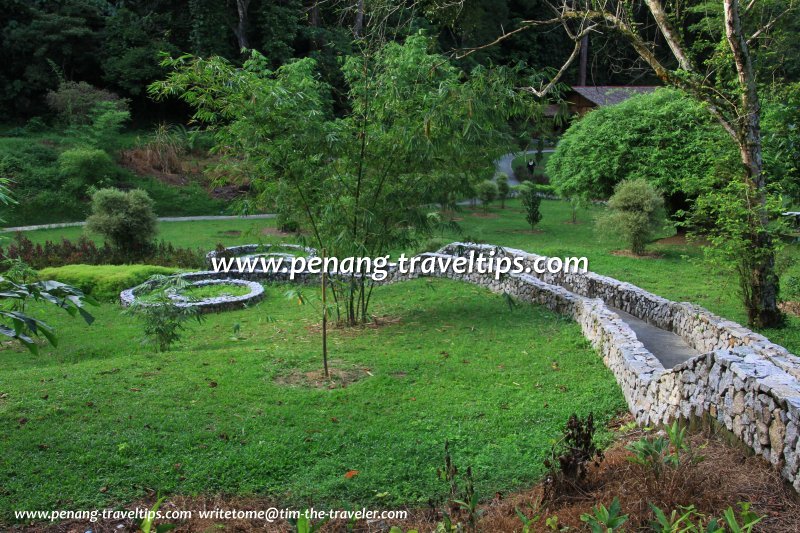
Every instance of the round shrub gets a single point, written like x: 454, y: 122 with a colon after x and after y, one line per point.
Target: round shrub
x: 487, y: 192
x: 125, y: 219
x: 635, y: 212
x: 75, y: 100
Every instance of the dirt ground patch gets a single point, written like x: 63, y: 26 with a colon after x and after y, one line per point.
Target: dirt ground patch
x: 726, y: 475
x: 275, y: 232
x: 628, y: 253
x: 792, y: 308
x: 680, y: 239
x: 339, y: 376
x: 376, y: 322
x: 528, y: 231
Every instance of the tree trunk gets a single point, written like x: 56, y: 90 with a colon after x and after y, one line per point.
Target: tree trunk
x: 359, y: 24
x: 762, y: 298
x: 241, y: 28
x: 584, y: 64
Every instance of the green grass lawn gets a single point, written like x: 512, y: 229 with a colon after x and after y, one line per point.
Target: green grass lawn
x: 102, y: 419
x: 678, y: 274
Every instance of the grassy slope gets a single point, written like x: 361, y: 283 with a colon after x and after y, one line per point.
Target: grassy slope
x: 105, y: 418
x: 170, y: 200
x: 679, y: 274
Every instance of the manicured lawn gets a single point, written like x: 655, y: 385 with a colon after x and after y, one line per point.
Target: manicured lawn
x: 678, y: 274
x: 103, y: 419
x: 205, y: 234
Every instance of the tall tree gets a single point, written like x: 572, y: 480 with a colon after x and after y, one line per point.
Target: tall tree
x: 366, y: 182
x: 242, y: 7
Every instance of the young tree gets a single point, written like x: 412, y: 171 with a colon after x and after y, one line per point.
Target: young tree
x: 487, y: 193
x: 163, y: 322
x: 635, y: 211
x: 362, y: 183
x: 531, y: 201
x: 723, y: 78
x: 502, y: 189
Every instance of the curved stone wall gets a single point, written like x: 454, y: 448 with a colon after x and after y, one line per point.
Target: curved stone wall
x: 205, y: 305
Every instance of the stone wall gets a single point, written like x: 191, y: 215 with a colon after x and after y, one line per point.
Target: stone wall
x: 212, y: 304
x: 701, y: 329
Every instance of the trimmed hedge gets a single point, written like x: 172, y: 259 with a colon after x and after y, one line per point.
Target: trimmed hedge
x: 104, y: 282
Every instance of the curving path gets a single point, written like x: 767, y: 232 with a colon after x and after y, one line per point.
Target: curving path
x: 160, y: 219
x: 501, y: 165
x: 504, y: 164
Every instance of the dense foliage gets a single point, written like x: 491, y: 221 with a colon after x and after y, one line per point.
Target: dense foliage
x: 673, y: 142
x: 84, y: 251
x: 665, y: 138
x: 115, y: 45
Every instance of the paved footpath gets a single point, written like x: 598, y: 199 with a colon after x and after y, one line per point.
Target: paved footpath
x: 504, y: 164
x: 160, y: 219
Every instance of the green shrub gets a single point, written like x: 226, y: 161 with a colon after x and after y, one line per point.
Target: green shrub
x: 163, y: 322
x: 531, y: 202
x: 35, y: 125
x: 74, y: 101
x: 502, y: 189
x: 780, y: 124
x: 104, y: 130
x: 83, y: 166
x: 104, y: 282
x: 125, y: 219
x: 487, y: 192
x: 634, y: 213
